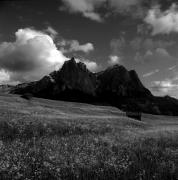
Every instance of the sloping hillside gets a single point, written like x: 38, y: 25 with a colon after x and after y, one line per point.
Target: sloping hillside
x: 15, y: 108
x: 79, y: 116
x: 56, y: 140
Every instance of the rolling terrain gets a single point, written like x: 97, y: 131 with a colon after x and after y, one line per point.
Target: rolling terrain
x: 46, y: 110
x: 46, y: 139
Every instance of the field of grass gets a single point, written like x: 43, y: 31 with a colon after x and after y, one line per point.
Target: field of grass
x: 54, y: 140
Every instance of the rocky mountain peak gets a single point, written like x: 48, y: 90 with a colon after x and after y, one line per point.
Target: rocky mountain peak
x: 73, y: 66
x: 74, y: 76
x: 70, y: 64
x: 74, y: 82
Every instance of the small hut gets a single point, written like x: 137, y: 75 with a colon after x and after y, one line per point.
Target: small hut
x: 27, y: 96
x: 134, y: 115
x: 133, y: 111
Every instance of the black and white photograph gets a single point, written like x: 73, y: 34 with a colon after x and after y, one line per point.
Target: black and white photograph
x: 88, y: 89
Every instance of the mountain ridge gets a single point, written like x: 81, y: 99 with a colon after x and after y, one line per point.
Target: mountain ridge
x: 114, y: 86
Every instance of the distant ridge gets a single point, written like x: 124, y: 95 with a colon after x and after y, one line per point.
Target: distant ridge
x: 114, y: 86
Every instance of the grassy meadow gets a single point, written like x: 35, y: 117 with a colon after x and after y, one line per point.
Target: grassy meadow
x: 54, y: 140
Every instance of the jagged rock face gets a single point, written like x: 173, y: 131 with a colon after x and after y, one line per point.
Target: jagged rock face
x: 75, y: 76
x: 72, y: 82
x: 121, y: 82
x: 115, y: 86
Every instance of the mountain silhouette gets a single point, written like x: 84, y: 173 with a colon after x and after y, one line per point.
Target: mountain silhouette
x: 114, y: 86
x: 121, y: 82
x: 73, y: 82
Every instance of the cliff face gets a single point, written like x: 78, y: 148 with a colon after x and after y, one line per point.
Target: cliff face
x: 75, y: 76
x: 72, y: 82
x: 115, y: 86
x: 119, y: 81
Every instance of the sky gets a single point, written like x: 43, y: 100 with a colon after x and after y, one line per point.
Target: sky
x: 37, y: 37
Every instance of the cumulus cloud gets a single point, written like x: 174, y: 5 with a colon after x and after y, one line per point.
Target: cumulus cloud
x: 4, y: 76
x: 89, y: 8
x: 162, y: 52
x: 68, y: 46
x: 75, y: 46
x: 163, y: 22
x: 114, y: 60
x: 32, y: 55
x: 91, y: 65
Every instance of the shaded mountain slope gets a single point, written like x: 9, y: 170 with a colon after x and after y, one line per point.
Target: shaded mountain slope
x: 121, y: 82
x: 115, y: 86
x: 73, y: 82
